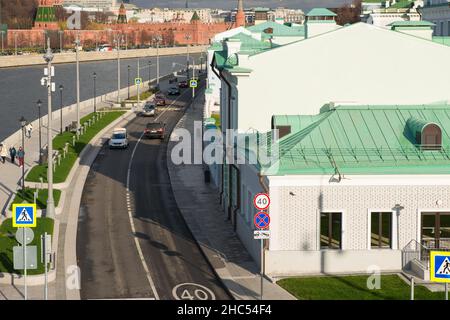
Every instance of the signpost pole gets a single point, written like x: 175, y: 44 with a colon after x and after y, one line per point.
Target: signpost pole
x: 24, y: 265
x: 262, y: 267
x: 412, y: 288
x: 138, y: 86
x: 446, y: 291
x: 44, y: 245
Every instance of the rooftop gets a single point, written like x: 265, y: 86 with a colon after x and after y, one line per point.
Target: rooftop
x: 362, y: 140
x: 321, y: 12
x: 278, y: 30
x: 421, y: 23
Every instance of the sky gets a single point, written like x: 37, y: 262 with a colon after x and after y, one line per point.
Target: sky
x: 229, y: 4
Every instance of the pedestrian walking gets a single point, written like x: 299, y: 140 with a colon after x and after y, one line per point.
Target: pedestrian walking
x: 3, y: 152
x: 29, y: 129
x: 21, y: 156
x: 12, y: 154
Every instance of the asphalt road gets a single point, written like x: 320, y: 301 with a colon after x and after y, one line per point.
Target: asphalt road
x: 108, y: 249
x: 20, y: 87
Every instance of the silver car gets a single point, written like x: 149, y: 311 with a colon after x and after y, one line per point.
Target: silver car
x: 149, y: 110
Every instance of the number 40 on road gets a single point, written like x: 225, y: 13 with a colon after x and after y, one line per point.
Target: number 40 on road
x: 261, y: 201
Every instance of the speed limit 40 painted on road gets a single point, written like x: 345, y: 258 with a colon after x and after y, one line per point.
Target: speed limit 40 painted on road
x: 261, y: 201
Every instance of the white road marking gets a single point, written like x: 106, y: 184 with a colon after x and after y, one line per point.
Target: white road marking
x: 130, y: 215
x: 192, y: 291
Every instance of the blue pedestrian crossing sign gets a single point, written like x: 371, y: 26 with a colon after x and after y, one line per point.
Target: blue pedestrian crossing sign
x: 24, y: 215
x: 193, y: 83
x: 440, y: 266
x: 137, y: 81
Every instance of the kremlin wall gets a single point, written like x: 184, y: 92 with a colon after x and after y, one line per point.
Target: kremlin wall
x: 134, y: 34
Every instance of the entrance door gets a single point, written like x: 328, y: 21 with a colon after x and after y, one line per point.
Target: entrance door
x: 436, y: 230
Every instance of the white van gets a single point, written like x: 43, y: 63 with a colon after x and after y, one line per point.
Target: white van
x: 119, y: 138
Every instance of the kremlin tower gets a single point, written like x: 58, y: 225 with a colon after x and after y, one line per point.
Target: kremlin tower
x: 46, y: 15
x: 240, y: 15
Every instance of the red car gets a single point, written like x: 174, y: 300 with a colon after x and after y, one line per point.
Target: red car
x: 182, y: 84
x: 160, y: 100
x: 155, y: 130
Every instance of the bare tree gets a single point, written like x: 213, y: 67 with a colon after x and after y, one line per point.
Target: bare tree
x: 348, y: 13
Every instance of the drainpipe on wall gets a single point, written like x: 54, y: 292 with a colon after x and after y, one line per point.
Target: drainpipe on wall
x: 228, y: 127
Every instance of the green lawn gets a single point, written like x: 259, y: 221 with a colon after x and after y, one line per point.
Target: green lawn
x: 142, y: 95
x: 62, y: 171
x: 354, y: 288
x: 41, y: 201
x: 8, y: 240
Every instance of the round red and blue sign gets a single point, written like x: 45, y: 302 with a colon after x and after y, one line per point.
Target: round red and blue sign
x: 261, y: 220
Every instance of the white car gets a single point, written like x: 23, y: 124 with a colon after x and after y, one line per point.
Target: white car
x: 119, y: 138
x: 105, y: 48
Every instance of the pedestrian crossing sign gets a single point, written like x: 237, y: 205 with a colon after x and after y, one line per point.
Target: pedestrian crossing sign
x: 137, y: 81
x: 193, y: 83
x: 24, y: 215
x: 440, y: 266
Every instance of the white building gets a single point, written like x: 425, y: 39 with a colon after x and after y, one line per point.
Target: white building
x: 383, y: 14
x: 159, y: 15
x: 101, y: 4
x: 438, y: 12
x: 347, y: 66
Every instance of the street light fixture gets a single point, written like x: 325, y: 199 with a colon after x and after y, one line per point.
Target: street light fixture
x: 77, y: 45
x: 48, y: 57
x: 39, y: 105
x: 23, y: 123
x: 128, y: 78
x: 157, y: 39
x: 61, y: 88
x: 94, y: 76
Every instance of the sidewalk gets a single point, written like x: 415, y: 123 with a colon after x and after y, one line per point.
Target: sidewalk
x: 199, y: 204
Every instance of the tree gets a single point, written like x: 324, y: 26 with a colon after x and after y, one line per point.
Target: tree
x: 348, y: 13
x: 18, y: 14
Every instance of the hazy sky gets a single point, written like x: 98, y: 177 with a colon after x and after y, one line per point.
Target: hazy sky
x: 228, y: 4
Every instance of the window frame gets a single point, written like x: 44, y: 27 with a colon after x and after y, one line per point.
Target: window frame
x: 343, y: 220
x: 393, y: 229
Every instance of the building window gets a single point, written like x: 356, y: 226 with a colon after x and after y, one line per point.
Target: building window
x: 330, y: 230
x: 431, y: 138
x: 381, y: 230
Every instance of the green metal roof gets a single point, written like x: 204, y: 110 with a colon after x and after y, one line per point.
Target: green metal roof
x: 403, y: 4
x: 321, y: 12
x: 442, y: 40
x: 278, y: 30
x: 195, y: 17
x: 361, y: 140
x: 421, y: 23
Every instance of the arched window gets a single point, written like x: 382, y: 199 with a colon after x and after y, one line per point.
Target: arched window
x: 431, y: 138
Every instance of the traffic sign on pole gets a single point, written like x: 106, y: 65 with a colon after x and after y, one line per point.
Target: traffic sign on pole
x: 193, y: 83
x: 137, y: 81
x: 440, y: 266
x: 261, y: 234
x: 261, y: 201
x: 24, y: 215
x: 261, y: 220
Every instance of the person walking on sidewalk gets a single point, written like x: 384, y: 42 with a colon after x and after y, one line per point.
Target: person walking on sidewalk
x: 3, y: 152
x: 12, y: 154
x: 21, y: 156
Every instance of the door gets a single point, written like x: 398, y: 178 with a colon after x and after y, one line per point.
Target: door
x: 436, y: 230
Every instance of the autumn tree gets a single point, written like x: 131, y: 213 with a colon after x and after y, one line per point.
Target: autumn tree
x: 18, y: 14
x: 348, y: 13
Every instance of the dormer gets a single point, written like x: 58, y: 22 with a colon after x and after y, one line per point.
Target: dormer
x: 426, y: 135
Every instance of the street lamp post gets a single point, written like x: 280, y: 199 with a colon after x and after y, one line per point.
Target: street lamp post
x: 48, y: 57
x: 23, y: 123
x: 60, y: 40
x: 187, y: 37
x: 118, y: 42
x: 61, y: 88
x: 149, y: 75
x: 77, y: 44
x: 15, y: 43
x: 128, y: 78
x: 157, y: 39
x: 3, y: 36
x: 94, y: 76
x: 39, y: 104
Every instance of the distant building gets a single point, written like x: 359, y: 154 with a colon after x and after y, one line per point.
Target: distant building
x: 101, y: 4
x: 384, y: 13
x: 183, y: 15
x: 438, y: 12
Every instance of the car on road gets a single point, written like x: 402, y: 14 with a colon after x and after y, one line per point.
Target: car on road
x: 105, y: 48
x: 160, y: 100
x: 183, y: 84
x: 119, y: 138
x: 174, y: 91
x: 155, y: 130
x: 149, y: 110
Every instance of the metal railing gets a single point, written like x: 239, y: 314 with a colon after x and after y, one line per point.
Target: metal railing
x: 421, y: 251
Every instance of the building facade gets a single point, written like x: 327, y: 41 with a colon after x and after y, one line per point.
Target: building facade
x: 438, y: 12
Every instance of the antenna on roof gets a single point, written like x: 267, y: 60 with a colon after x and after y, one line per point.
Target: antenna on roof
x: 336, y: 169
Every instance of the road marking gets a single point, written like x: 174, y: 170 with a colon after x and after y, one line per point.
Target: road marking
x: 130, y: 215
x: 192, y: 291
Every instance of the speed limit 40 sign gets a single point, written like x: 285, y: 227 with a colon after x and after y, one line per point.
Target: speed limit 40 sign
x: 261, y: 201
